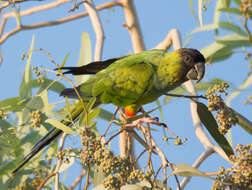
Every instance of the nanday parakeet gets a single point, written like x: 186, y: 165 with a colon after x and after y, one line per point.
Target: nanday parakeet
x: 130, y: 82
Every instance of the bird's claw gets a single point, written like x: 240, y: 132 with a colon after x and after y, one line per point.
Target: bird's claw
x: 147, y: 120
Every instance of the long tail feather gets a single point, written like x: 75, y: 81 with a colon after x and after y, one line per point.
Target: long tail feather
x: 39, y: 146
x: 51, y: 136
x: 90, y: 68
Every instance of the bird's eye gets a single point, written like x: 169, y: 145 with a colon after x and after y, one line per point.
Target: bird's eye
x: 188, y: 60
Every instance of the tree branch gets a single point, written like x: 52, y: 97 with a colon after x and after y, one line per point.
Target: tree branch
x: 96, y: 22
x: 48, y: 23
x: 133, y: 26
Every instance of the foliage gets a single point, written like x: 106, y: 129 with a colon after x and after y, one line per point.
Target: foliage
x: 26, y: 118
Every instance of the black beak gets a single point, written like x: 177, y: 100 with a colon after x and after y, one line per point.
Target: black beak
x: 197, y: 72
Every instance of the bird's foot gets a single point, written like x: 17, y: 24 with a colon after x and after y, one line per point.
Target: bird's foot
x: 139, y: 122
x: 148, y: 120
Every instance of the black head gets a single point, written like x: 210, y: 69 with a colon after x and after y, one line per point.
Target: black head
x: 195, y: 62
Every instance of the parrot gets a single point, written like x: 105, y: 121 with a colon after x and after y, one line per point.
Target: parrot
x: 128, y: 82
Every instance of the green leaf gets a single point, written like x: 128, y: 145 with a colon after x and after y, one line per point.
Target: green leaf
x: 91, y: 115
x: 12, y: 104
x: 27, y: 77
x: 205, y: 28
x: 49, y: 84
x: 242, y: 87
x: 231, y: 10
x: 85, y: 56
x: 234, y: 41
x: 65, y: 59
x: 211, y: 125
x: 60, y: 126
x: 243, y: 122
x: 227, y: 3
x: 237, y: 2
x: 216, y: 52
x: 35, y: 103
x: 105, y: 115
x: 220, y: 4
x: 232, y: 27
x: 189, y: 171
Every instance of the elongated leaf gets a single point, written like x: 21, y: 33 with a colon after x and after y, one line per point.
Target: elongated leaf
x: 49, y: 84
x: 216, y: 52
x: 189, y: 171
x: 105, y: 115
x: 35, y: 103
x: 242, y: 87
x: 210, y: 123
x: 231, y: 10
x: 237, y: 2
x: 205, y: 28
x: 60, y: 126
x: 65, y: 59
x: 232, y: 27
x: 234, y: 41
x: 85, y: 57
x: 243, y: 122
x: 27, y: 77
x: 12, y: 104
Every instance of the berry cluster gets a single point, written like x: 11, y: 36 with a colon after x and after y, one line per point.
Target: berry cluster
x: 246, y: 7
x: 118, y: 171
x: 32, y: 183
x: 40, y: 77
x: 225, y: 116
x: 36, y: 118
x: 238, y: 177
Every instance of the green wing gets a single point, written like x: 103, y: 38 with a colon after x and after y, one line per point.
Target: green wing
x: 122, y: 83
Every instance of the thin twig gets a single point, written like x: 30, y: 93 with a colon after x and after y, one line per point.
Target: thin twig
x: 87, y: 182
x: 245, y: 24
x: 59, y: 163
x: 113, y: 136
x: 77, y: 180
x: 139, y: 156
x: 111, y: 121
x: 41, y: 185
x: 185, y: 96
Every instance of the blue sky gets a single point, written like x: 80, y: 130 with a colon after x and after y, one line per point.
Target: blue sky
x: 156, y: 18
